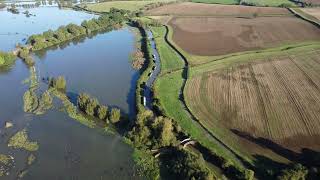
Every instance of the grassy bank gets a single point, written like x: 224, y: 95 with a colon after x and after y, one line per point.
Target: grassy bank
x: 167, y: 89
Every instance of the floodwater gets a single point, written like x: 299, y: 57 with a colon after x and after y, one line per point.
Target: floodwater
x: 98, y: 65
x: 16, y: 28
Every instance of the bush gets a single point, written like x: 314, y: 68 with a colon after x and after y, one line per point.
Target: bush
x: 115, y: 115
x: 182, y: 164
x: 31, y: 101
x: 294, y: 172
x: 103, y: 112
x: 59, y: 83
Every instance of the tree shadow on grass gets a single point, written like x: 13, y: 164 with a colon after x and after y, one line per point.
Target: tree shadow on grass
x: 268, y: 168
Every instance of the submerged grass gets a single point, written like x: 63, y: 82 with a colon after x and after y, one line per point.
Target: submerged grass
x: 21, y: 141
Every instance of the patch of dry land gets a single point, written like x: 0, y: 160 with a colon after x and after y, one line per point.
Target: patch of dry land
x: 199, y: 9
x: 207, y: 36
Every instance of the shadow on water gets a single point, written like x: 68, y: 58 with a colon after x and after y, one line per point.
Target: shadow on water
x: 131, y: 98
x: 307, y: 157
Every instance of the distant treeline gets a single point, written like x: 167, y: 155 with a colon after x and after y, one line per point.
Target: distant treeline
x: 112, y: 19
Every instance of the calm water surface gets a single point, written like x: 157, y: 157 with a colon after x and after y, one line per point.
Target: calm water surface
x: 99, y: 66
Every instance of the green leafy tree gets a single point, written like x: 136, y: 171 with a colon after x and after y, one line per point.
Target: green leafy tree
x: 295, y: 172
x: 103, y: 112
x: 115, y: 115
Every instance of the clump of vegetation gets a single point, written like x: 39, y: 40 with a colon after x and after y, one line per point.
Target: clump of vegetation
x: 153, y: 132
x: 146, y: 164
x: 58, y: 83
x: 92, y: 107
x: 115, y: 115
x: 31, y: 101
x: 183, y: 164
x: 113, y: 19
x: 24, y: 54
x: 13, y: 9
x: 6, y: 163
x: 6, y: 59
x: 36, y: 105
x: 137, y: 59
x: 31, y: 159
x: 295, y: 171
x: 20, y: 141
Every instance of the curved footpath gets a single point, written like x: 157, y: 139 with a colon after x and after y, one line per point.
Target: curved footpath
x: 195, y: 121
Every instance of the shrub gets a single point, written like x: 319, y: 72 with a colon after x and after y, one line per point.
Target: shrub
x: 59, y: 83
x: 294, y: 172
x: 103, y: 112
x: 30, y: 100
x: 115, y: 115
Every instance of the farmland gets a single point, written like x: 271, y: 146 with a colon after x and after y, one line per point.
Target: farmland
x: 264, y: 96
x: 187, y: 9
x: 239, y: 34
x: 127, y: 5
x: 315, y: 12
x: 252, y: 81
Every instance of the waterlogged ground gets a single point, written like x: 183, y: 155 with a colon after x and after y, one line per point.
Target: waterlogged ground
x: 16, y: 28
x: 98, y: 65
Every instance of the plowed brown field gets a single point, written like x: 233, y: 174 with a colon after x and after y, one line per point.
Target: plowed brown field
x: 218, y: 36
x: 315, y: 12
x: 198, y: 9
x: 277, y: 99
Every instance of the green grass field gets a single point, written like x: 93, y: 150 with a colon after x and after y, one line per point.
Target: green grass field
x: 127, y: 5
x: 169, y: 60
x: 217, y: 1
x: 273, y: 3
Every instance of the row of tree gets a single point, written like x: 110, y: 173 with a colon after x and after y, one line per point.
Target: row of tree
x: 92, y: 107
x: 113, y: 19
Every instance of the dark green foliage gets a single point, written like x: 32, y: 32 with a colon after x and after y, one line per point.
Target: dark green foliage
x: 182, y: 164
x: 92, y: 107
x: 152, y: 132
x: 103, y: 112
x: 75, y: 30
x: 295, y: 172
x: 58, y: 83
x: 64, y: 33
x: 115, y: 115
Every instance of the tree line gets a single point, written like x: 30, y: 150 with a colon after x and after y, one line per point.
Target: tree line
x: 112, y: 19
x: 92, y: 107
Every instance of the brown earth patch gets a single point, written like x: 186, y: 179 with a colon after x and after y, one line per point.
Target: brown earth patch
x: 199, y: 9
x: 218, y: 36
x: 276, y: 99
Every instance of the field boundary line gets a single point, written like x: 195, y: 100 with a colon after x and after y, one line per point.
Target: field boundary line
x: 299, y: 15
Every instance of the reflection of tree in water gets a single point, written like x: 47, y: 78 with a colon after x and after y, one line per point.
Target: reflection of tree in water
x: 71, y: 158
